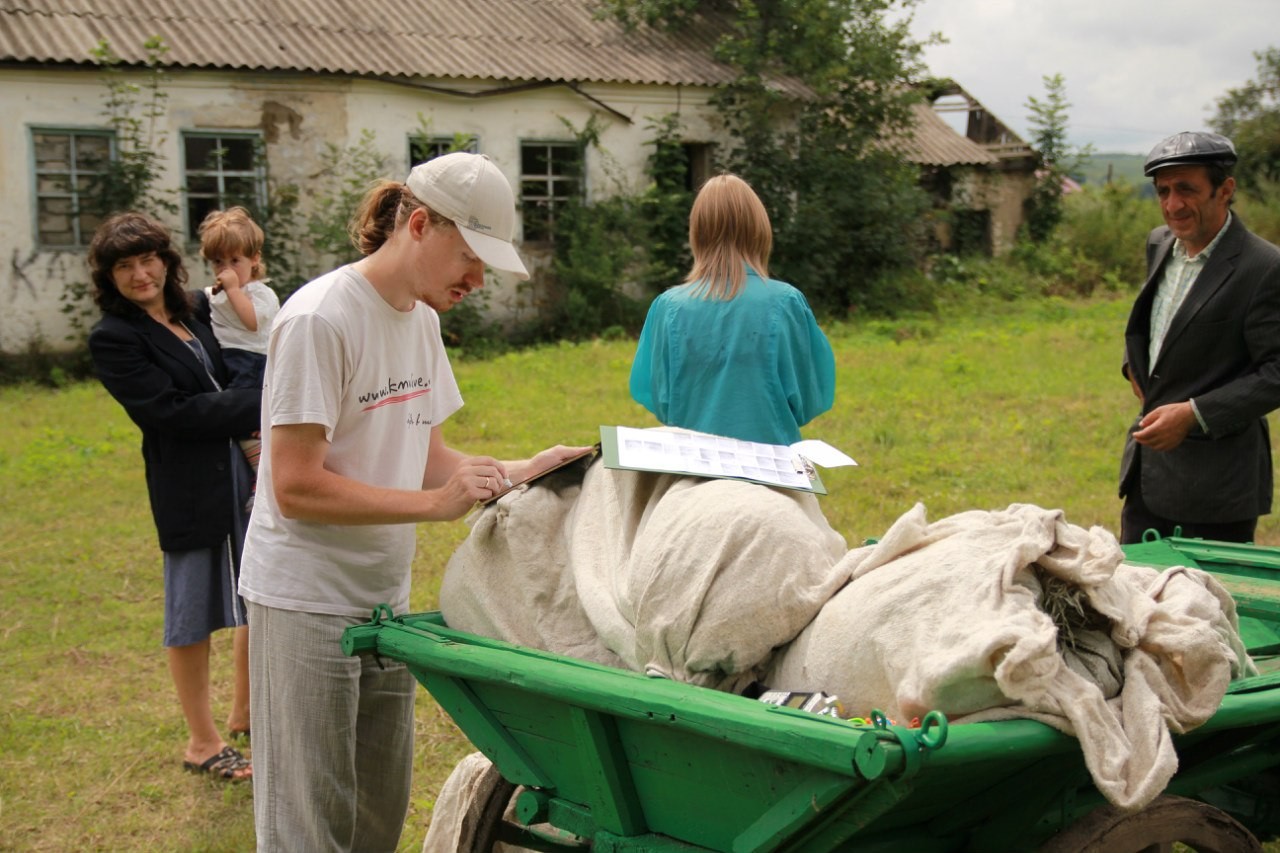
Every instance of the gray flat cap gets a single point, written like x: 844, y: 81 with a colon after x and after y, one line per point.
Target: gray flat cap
x: 1191, y: 148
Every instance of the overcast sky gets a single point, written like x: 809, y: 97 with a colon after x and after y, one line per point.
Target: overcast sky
x: 1135, y: 70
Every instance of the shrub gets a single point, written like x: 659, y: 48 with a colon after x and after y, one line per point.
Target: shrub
x: 591, y: 266
x: 1106, y: 226
x: 1259, y: 207
x: 41, y: 365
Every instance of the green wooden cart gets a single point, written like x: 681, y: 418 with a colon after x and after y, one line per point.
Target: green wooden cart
x: 587, y: 757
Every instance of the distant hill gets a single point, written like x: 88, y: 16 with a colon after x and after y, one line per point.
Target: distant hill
x: 1128, y: 167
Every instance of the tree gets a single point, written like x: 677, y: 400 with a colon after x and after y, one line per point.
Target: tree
x: 1250, y: 117
x: 821, y: 84
x: 1057, y: 156
x: 135, y: 112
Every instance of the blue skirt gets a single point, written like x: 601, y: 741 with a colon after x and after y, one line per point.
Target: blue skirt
x: 200, y: 587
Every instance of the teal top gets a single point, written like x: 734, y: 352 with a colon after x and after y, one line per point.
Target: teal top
x: 755, y: 367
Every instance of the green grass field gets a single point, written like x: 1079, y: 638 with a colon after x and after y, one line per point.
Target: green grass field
x: 1013, y: 402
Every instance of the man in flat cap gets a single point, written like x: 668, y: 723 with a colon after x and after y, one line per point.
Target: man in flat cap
x: 1202, y: 352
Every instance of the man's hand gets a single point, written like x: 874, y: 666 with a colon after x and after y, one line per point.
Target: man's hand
x: 1165, y: 427
x: 477, y: 478
x: 308, y: 491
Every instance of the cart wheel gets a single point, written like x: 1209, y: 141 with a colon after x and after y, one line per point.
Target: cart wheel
x: 498, y: 794
x: 1168, y: 819
x: 498, y: 832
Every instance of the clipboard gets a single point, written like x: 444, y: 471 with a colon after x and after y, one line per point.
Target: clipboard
x: 590, y: 452
x: 697, y: 454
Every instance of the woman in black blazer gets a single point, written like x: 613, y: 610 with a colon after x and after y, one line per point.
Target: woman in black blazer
x: 156, y: 355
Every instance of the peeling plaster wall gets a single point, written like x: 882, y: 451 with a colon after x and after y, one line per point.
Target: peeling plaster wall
x: 1006, y: 196
x: 1001, y: 193
x: 299, y: 116
x: 32, y: 282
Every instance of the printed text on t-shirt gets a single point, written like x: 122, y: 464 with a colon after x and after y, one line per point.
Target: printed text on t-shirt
x: 395, y: 391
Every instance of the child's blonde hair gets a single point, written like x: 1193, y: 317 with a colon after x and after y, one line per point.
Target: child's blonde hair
x: 232, y: 232
x: 729, y: 230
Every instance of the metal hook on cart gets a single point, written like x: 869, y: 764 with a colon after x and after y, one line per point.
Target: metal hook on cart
x: 933, y: 730
x: 931, y: 735
x: 363, y: 639
x: 381, y: 613
x: 1153, y: 535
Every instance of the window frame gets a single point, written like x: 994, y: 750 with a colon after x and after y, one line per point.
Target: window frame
x: 700, y: 157
x: 257, y: 173
x: 442, y: 141
x: 81, y: 235
x: 551, y: 199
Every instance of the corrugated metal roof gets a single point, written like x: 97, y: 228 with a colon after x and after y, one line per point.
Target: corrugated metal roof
x: 933, y: 142
x: 509, y: 40
x: 513, y: 41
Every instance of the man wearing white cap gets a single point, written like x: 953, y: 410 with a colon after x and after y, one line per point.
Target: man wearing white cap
x: 357, y: 387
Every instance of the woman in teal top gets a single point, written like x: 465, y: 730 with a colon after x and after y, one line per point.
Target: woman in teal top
x: 732, y: 351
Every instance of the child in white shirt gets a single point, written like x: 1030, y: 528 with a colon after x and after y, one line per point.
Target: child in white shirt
x: 241, y: 304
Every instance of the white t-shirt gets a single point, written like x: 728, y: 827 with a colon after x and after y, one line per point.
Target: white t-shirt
x: 230, y: 332
x: 377, y: 380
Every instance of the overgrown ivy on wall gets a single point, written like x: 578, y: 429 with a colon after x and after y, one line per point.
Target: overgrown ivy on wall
x: 844, y: 210
x: 598, y: 283
x: 614, y: 254
x: 129, y: 180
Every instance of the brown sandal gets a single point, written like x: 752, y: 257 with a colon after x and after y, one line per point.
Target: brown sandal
x: 229, y: 766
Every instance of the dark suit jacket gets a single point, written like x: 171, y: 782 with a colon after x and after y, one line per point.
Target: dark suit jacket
x: 186, y: 422
x: 1223, y: 350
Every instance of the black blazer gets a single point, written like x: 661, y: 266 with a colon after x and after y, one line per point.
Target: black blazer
x: 187, y: 424
x: 1223, y: 350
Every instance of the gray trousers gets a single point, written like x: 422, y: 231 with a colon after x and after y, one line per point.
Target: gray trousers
x: 332, y: 737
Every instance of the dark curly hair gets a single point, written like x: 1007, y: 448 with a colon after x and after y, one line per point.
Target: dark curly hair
x: 123, y: 236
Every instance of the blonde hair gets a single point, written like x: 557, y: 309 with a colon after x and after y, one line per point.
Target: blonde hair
x: 232, y: 232
x: 385, y: 207
x: 728, y: 230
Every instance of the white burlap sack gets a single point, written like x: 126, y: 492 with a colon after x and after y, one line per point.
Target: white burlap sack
x: 683, y: 577
x: 699, y: 579
x: 949, y: 616
x: 511, y: 577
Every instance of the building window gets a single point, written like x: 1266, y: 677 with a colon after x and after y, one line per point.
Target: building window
x: 550, y: 176
x: 700, y: 157
x: 221, y: 170
x: 424, y: 148
x: 69, y: 167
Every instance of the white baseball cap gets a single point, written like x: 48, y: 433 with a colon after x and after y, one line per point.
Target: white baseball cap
x: 470, y: 190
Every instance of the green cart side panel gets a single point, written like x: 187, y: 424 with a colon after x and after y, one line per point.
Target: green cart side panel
x: 792, y: 812
x: 654, y: 766
x: 607, y: 772
x: 539, y: 678
x: 660, y: 778
x: 843, y: 820
x: 491, y: 734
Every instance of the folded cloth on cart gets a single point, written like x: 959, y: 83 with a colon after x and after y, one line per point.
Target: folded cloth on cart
x: 1017, y: 613
x: 511, y: 578
x: 687, y: 578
